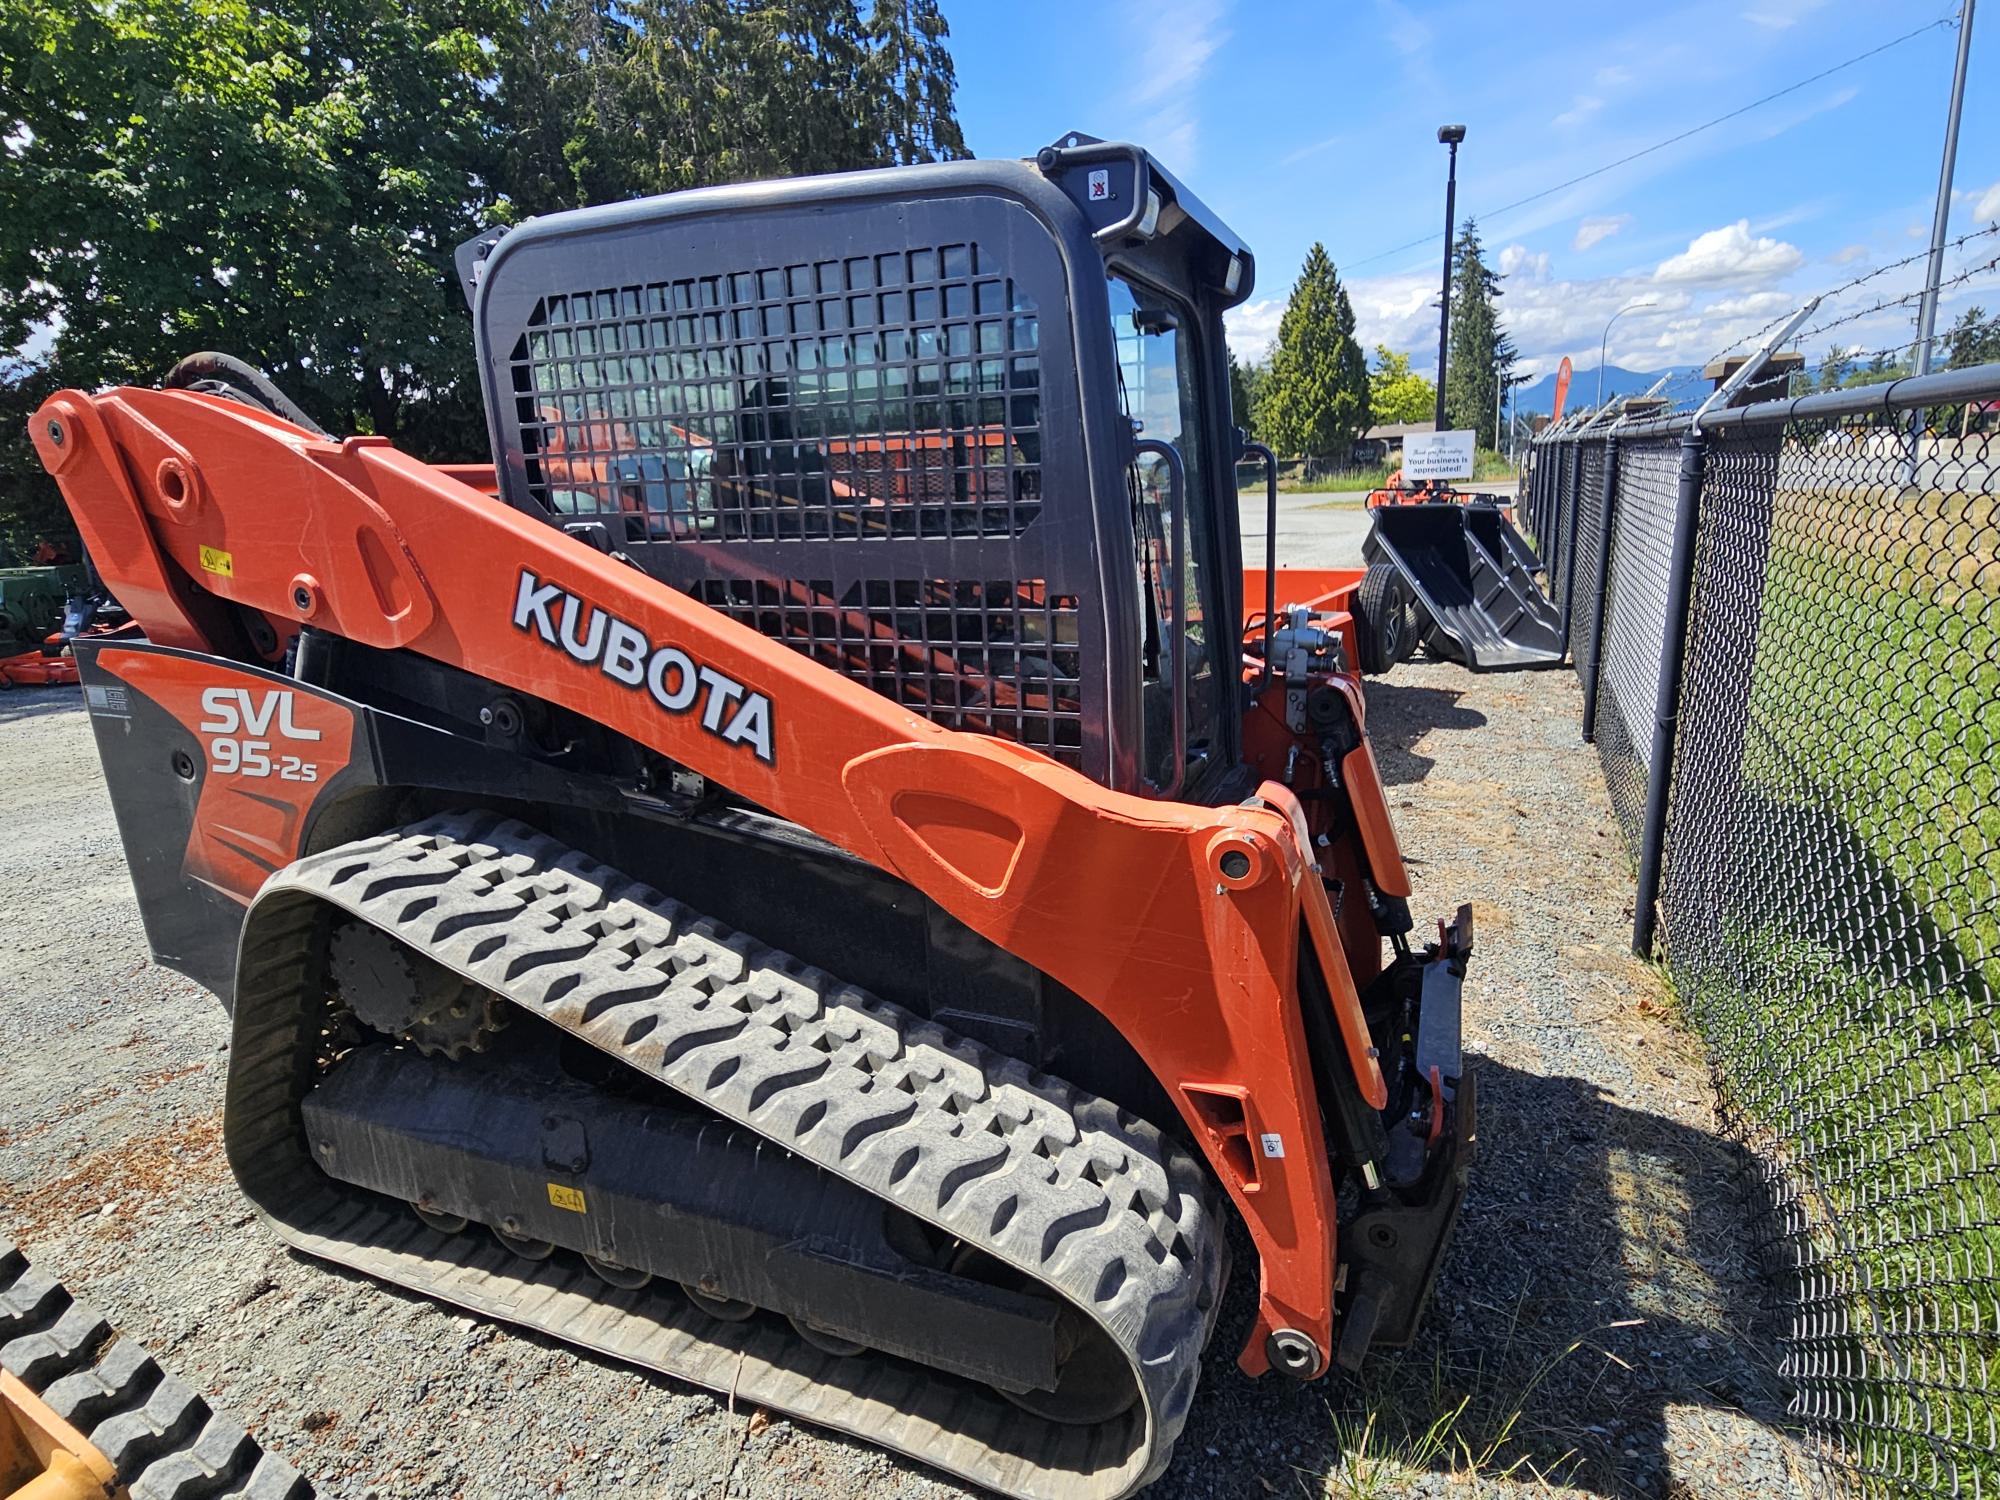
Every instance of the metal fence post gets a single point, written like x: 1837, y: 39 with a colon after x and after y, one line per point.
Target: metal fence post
x: 1667, y: 700
x: 1605, y: 500
x: 1572, y: 503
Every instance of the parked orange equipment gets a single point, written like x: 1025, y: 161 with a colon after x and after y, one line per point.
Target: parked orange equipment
x: 827, y: 726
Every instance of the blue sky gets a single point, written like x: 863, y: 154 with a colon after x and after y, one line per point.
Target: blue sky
x: 1300, y: 122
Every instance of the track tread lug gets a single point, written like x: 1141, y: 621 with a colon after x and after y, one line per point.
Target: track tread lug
x: 202, y: 1468
x: 122, y: 1379
x: 171, y: 1414
x: 38, y: 1358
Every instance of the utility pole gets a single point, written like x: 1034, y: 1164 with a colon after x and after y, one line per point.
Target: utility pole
x: 1927, y: 309
x: 1449, y: 135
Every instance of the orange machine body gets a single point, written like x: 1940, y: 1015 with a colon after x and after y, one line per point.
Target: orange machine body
x: 1184, y: 925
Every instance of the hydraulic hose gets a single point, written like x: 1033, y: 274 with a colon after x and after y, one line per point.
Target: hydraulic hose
x: 230, y: 376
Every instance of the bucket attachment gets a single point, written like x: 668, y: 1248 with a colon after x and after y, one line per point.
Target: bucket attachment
x: 1473, y: 576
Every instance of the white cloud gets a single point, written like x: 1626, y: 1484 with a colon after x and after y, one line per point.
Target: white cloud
x: 1847, y: 255
x: 1743, y: 285
x: 1797, y: 117
x: 1519, y: 260
x: 1751, y: 305
x: 1253, y: 327
x: 1585, y: 106
x: 1183, y: 36
x: 1312, y: 150
x: 1730, y: 253
x: 1596, y: 230
x: 1409, y: 34
x: 1988, y: 208
x: 1400, y: 311
x: 1798, y: 213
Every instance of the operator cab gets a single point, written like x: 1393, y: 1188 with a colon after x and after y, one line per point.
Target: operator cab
x: 925, y: 425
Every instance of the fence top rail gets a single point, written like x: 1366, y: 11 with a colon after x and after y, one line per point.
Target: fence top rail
x: 1974, y: 383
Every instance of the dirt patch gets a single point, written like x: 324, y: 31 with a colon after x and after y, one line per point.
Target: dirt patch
x: 111, y: 1187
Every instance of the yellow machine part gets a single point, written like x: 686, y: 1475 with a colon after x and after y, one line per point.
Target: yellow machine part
x: 42, y: 1457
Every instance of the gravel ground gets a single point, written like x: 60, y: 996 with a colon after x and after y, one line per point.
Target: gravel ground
x: 1597, y: 1322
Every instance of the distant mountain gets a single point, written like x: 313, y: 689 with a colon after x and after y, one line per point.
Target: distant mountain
x: 1541, y: 394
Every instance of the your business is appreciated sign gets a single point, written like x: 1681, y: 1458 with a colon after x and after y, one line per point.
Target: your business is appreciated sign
x: 1437, y: 455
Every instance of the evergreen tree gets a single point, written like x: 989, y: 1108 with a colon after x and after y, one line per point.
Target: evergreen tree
x: 1315, y: 399
x: 1481, y: 353
x: 609, y: 99
x: 287, y: 180
x: 1833, y: 367
x: 1395, y: 395
x: 1973, y: 340
x: 1246, y: 382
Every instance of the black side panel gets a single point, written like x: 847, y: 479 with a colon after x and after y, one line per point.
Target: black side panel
x: 744, y: 868
x: 190, y: 927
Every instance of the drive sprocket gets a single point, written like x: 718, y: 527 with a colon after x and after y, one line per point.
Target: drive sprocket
x: 403, y: 994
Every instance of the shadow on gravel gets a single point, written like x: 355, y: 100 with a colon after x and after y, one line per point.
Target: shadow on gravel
x: 1399, y: 715
x: 1598, y: 1279
x: 32, y: 703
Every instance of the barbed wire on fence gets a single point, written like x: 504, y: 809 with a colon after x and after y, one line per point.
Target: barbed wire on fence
x: 1847, y: 286
x: 1907, y: 299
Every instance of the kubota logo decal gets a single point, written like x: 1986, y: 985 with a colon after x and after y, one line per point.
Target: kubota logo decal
x: 624, y: 653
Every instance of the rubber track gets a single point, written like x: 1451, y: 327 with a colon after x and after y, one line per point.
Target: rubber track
x: 161, y: 1437
x: 1065, y: 1187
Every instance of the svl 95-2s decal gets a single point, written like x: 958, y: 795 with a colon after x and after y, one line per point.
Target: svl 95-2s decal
x: 239, y: 724
x: 260, y: 751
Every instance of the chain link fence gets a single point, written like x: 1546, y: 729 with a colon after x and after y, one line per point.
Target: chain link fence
x: 1788, y: 626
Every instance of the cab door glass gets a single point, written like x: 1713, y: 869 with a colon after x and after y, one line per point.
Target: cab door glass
x: 1159, y: 392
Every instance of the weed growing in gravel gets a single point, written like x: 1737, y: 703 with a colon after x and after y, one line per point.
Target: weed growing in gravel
x: 1477, y: 1430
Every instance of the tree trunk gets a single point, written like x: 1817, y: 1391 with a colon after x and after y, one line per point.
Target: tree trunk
x: 383, y: 407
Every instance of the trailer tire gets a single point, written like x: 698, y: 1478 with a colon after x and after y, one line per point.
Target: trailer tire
x: 1384, y: 630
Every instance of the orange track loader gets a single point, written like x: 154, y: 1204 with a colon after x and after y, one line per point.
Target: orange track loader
x: 804, y: 875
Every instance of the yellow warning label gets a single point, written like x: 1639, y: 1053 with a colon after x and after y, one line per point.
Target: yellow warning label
x: 215, y: 560
x: 567, y: 1197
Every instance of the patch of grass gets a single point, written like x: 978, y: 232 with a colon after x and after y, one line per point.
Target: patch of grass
x: 1835, y: 936
x: 1410, y: 1419
x: 1488, y: 467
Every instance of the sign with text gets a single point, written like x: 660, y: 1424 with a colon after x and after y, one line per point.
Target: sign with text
x: 1437, y: 455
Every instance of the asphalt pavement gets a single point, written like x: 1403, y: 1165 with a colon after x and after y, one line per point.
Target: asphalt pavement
x: 1321, y: 530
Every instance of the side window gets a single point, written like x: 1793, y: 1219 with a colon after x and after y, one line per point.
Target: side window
x: 1159, y: 392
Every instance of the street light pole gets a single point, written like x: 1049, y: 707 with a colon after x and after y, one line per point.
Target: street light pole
x: 1449, y: 135
x: 1927, y: 308
x: 1604, y: 343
